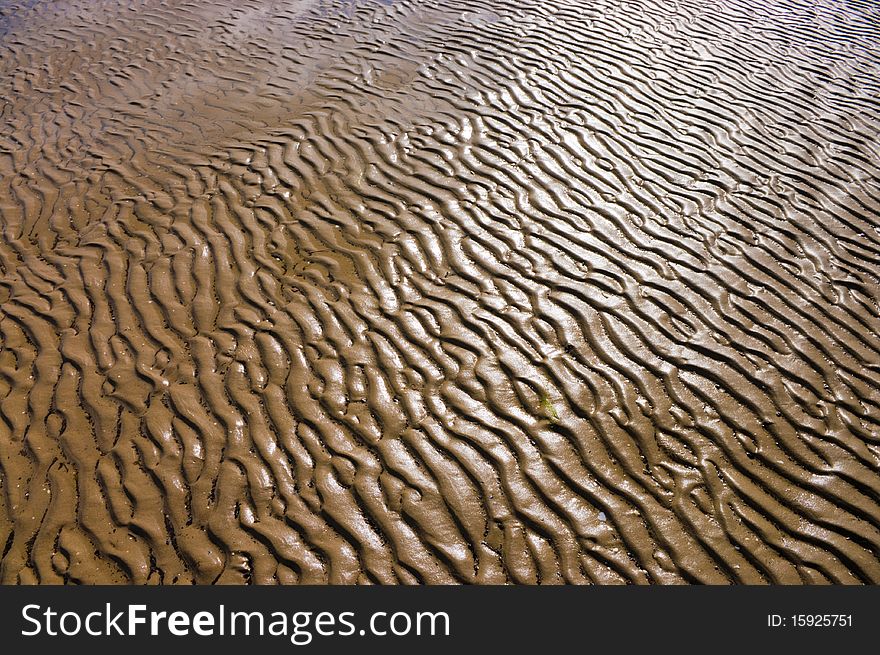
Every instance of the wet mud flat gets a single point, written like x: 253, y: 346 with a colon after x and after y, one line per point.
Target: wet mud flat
x: 440, y: 292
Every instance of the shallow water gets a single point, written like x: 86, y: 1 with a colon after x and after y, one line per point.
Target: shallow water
x: 477, y: 292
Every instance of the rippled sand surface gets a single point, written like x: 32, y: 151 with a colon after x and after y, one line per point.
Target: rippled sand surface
x: 456, y: 291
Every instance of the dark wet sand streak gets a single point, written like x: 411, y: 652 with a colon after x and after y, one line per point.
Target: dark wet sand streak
x: 309, y: 292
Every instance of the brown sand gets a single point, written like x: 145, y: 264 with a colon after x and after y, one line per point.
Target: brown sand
x: 310, y: 291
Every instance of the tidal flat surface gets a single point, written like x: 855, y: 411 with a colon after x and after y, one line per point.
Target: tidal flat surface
x: 440, y: 292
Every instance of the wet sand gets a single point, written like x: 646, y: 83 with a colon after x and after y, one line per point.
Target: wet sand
x: 437, y: 292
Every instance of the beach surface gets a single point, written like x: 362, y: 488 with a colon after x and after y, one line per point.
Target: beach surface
x: 440, y: 292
